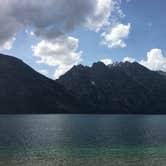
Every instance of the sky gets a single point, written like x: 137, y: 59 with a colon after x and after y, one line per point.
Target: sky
x: 54, y: 35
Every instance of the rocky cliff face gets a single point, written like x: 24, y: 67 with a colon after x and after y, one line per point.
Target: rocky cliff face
x: 117, y: 88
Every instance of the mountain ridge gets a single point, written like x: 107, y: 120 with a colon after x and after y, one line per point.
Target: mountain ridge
x: 116, y: 88
x: 120, y: 88
x: 23, y: 90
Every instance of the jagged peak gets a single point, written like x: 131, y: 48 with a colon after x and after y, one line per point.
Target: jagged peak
x: 125, y: 65
x: 99, y: 65
x: 79, y: 67
x: 119, y: 64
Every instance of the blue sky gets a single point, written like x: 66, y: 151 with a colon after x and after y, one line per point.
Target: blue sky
x: 147, y: 33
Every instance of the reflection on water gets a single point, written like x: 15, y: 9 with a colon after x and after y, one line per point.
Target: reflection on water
x: 100, y: 140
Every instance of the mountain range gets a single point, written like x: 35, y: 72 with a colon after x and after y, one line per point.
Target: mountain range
x: 118, y: 88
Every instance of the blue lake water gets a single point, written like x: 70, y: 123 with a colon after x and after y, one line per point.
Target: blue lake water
x: 82, y: 140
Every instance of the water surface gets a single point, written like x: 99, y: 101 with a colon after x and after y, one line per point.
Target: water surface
x: 78, y: 140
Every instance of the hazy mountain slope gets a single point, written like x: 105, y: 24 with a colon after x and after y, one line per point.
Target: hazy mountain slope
x: 23, y: 90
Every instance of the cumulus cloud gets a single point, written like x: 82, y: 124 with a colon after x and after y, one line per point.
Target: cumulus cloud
x: 9, y: 26
x: 107, y: 61
x: 128, y: 59
x: 116, y: 36
x: 7, y: 45
x: 117, y: 12
x: 155, y: 60
x: 62, y: 53
x: 52, y: 18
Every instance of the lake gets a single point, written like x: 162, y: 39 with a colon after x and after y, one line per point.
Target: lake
x: 82, y: 140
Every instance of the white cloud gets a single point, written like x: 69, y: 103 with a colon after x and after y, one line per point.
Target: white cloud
x: 100, y: 16
x: 117, y: 12
x: 116, y: 36
x: 107, y: 61
x: 9, y: 26
x: 7, y: 45
x: 29, y: 33
x: 52, y: 18
x: 62, y: 53
x: 128, y: 59
x: 155, y: 60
